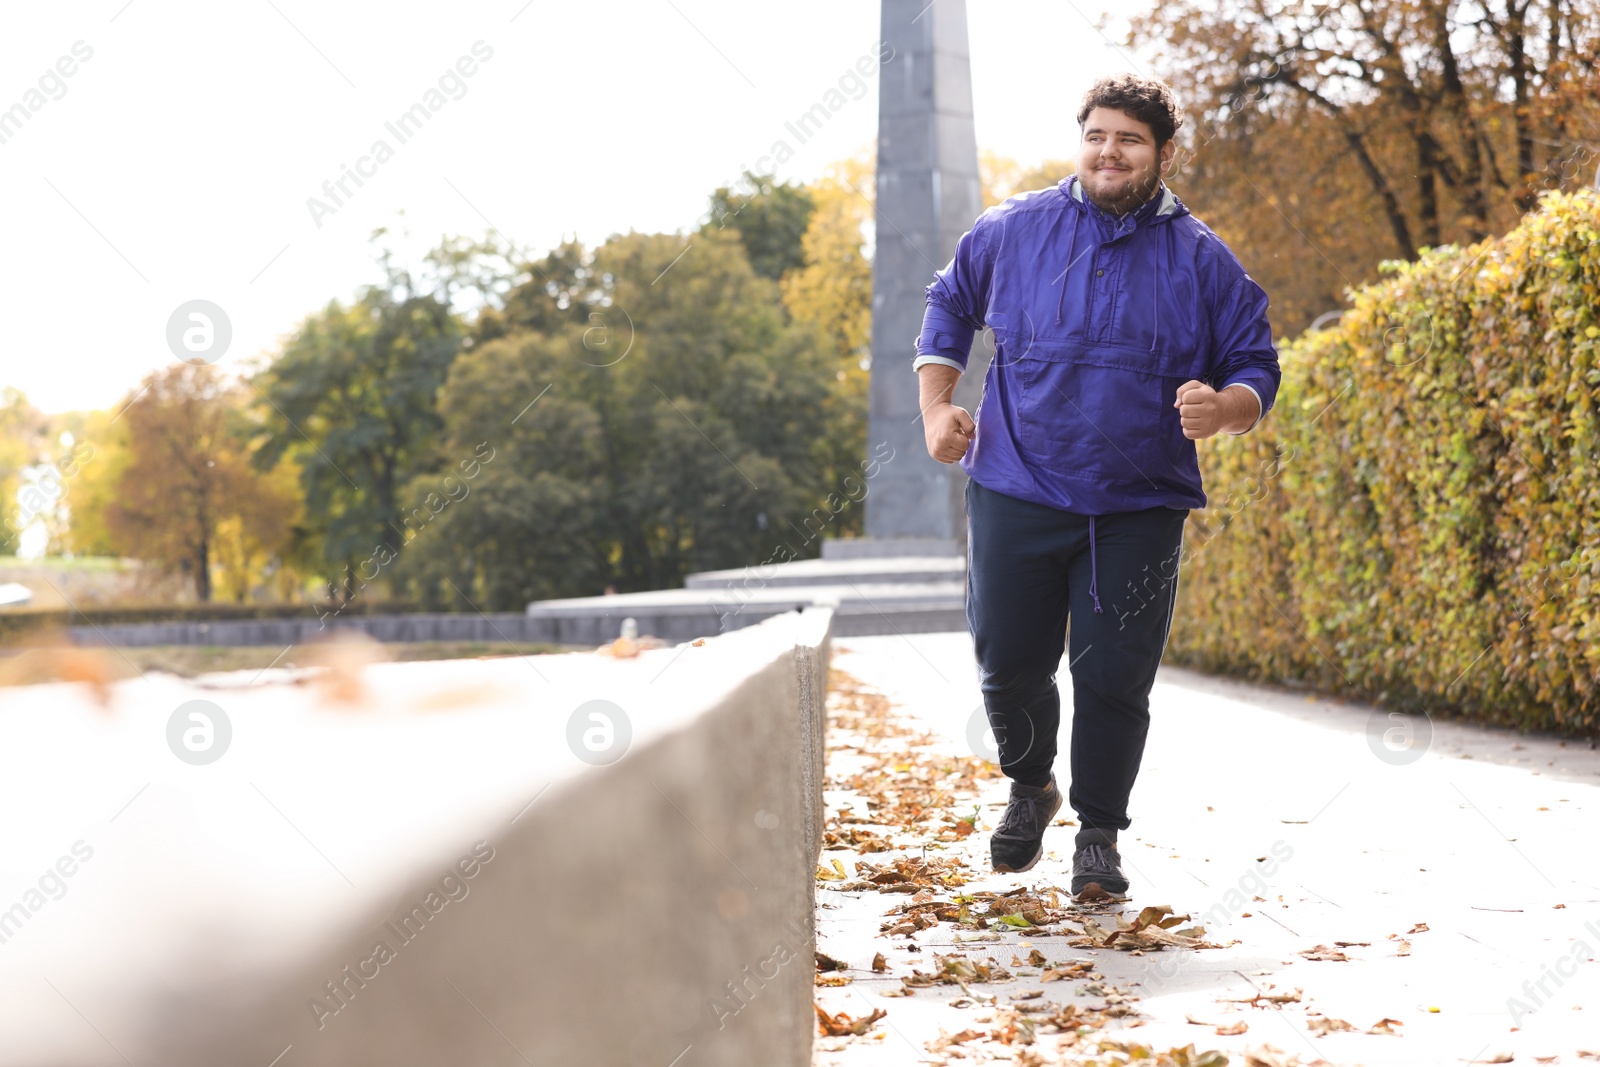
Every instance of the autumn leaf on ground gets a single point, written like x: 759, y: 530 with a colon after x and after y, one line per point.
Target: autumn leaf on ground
x: 1324, y: 952
x: 1419, y: 928
x: 944, y: 1041
x: 1076, y: 969
x: 1230, y: 1029
x: 51, y: 656
x: 1151, y: 930
x: 832, y: 980
x: 1268, y: 1056
x: 826, y: 962
x: 842, y: 1025
x: 1386, y: 1026
x: 1173, y: 1057
x: 1403, y: 948
x: 1498, y: 1057
x: 879, y: 964
x: 1256, y: 1001
x: 836, y: 875
x: 344, y: 657
x: 1327, y: 1025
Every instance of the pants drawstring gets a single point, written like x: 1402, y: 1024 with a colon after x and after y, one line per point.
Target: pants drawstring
x: 1094, y: 575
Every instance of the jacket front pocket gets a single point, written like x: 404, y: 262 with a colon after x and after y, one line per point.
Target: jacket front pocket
x: 1091, y: 421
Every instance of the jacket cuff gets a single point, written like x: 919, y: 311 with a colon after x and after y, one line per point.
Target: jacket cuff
x: 943, y: 361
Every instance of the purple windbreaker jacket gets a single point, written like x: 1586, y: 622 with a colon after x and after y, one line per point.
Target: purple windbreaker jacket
x: 1097, y: 321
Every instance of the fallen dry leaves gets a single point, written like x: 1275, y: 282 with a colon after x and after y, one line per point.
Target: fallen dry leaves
x: 1325, y: 1024
x: 1324, y: 952
x: 907, y: 803
x: 842, y: 1025
x: 51, y: 657
x: 1268, y: 1056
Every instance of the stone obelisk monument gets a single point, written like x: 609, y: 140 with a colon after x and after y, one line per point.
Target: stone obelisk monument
x: 928, y: 196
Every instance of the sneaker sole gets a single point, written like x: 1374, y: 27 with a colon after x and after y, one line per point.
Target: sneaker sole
x: 1001, y: 868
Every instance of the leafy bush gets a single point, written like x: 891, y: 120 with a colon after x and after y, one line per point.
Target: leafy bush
x: 1418, y: 521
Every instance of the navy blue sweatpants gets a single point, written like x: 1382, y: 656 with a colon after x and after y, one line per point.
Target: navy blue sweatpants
x: 1031, y: 568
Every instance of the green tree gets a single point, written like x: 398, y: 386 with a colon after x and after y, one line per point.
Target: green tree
x: 770, y: 218
x: 659, y: 424
x: 353, y: 398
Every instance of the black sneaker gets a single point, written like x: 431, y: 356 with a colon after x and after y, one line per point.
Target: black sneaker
x: 1096, y: 866
x: 1018, y: 842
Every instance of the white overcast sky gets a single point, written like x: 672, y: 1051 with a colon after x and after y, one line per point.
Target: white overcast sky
x: 177, y: 162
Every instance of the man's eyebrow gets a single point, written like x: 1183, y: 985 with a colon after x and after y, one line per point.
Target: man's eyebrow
x: 1120, y: 133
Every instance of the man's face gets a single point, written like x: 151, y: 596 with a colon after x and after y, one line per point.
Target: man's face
x: 1118, y: 162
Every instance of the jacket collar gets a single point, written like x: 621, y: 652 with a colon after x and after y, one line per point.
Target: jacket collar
x: 1165, y: 204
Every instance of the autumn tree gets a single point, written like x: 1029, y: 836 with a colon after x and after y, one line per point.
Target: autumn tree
x: 1332, y: 135
x: 189, y: 475
x: 23, y: 430
x: 103, y: 436
x: 1002, y: 177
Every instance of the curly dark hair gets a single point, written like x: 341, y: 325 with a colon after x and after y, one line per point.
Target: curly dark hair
x: 1149, y: 100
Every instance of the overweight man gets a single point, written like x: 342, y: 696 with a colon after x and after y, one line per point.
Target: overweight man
x: 1125, y: 331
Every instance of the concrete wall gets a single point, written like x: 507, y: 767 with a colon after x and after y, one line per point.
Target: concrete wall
x: 670, y: 623
x: 590, y: 625
x: 654, y: 912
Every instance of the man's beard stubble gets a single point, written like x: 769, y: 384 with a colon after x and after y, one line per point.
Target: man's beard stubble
x: 1130, y: 199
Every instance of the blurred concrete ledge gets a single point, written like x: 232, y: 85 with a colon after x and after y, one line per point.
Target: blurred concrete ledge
x: 428, y: 875
x: 868, y: 595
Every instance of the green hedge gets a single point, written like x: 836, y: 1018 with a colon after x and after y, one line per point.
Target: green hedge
x: 17, y: 623
x: 1417, y: 522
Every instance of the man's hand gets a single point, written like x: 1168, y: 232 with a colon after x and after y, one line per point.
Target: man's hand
x: 949, y: 432
x: 1204, y: 411
x: 948, y: 429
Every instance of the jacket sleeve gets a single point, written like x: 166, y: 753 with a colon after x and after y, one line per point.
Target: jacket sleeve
x: 1242, y: 352
x: 958, y: 301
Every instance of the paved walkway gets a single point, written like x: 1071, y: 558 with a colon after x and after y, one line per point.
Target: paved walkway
x: 1464, y: 886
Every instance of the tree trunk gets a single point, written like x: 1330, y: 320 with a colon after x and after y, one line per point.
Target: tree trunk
x: 202, y: 571
x: 1427, y: 192
x: 1380, y: 184
x: 1519, y: 71
x: 1470, y: 187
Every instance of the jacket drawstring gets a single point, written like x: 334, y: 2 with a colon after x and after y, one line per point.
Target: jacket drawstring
x: 1094, y: 571
x: 1155, y: 294
x: 1071, y: 244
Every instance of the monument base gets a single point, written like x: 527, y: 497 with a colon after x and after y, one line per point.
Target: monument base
x: 891, y: 548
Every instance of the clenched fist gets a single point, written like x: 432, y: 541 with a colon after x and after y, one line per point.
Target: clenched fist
x: 1204, y: 411
x: 949, y: 431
